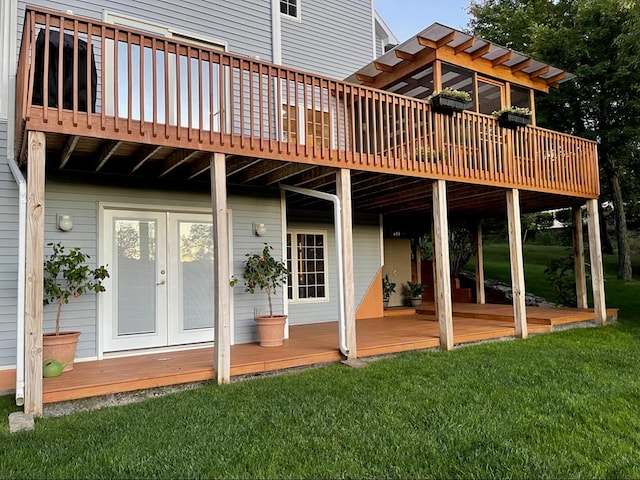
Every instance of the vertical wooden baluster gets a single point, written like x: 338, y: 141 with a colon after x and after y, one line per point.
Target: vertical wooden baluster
x: 154, y: 87
x: 178, y: 92
x: 74, y: 68
x: 89, y: 83
x: 268, y: 106
x: 167, y: 93
x: 352, y: 117
x: 103, y: 77
x: 116, y: 76
x: 212, y: 94
x: 296, y: 102
x: 313, y: 120
x: 129, y: 85
x: 200, y: 97
x: 252, y: 119
x: 61, y: 36
x: 142, y: 102
x: 45, y: 80
x: 277, y: 109
x: 189, y: 96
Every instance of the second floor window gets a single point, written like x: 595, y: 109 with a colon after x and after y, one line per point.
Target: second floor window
x: 289, y: 8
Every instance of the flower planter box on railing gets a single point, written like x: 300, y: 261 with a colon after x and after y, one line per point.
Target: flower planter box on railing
x: 449, y: 105
x: 513, y: 120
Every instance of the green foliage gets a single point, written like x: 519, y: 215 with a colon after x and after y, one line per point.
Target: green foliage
x: 415, y: 289
x: 597, y: 41
x: 453, y: 94
x: 66, y: 274
x: 265, y: 272
x: 522, y: 111
x: 388, y: 288
x: 561, y: 276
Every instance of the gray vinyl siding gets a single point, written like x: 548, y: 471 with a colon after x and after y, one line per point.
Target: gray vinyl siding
x: 245, y: 25
x: 366, y: 261
x: 332, y: 37
x: 8, y: 255
x: 81, y: 202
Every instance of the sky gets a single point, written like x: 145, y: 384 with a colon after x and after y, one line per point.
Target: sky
x: 408, y: 17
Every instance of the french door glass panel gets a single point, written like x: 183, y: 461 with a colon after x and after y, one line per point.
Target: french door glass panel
x: 135, y: 313
x: 191, y: 303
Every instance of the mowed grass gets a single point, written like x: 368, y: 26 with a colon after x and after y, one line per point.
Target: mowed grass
x: 564, y: 405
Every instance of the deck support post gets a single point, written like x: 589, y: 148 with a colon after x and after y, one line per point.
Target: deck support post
x: 480, y: 294
x: 343, y: 189
x: 221, y: 276
x: 578, y: 258
x: 517, y: 263
x: 34, y: 273
x: 595, y: 252
x: 444, y: 309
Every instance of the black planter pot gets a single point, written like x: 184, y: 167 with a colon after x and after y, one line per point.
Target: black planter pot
x: 513, y: 120
x: 448, y: 105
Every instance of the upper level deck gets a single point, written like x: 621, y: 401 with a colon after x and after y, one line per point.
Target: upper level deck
x: 137, y: 88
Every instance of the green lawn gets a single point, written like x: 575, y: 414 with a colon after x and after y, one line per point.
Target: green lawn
x: 564, y: 405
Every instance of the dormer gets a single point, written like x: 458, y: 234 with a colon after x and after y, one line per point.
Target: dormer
x: 441, y: 56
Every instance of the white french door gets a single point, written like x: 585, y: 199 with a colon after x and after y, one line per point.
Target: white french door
x: 161, y: 292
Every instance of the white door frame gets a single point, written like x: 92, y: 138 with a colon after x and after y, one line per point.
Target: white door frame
x: 104, y: 312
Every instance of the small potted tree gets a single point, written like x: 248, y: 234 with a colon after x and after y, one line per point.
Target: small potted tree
x: 266, y: 273
x: 513, y: 117
x: 388, y: 288
x: 414, y: 292
x: 450, y: 100
x: 67, y: 275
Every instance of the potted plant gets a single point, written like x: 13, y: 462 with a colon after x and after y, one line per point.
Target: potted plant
x: 513, y: 117
x: 388, y: 288
x: 414, y: 292
x: 265, y: 272
x: 450, y: 100
x: 66, y: 275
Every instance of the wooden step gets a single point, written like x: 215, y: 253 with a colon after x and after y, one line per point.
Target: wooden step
x: 399, y: 311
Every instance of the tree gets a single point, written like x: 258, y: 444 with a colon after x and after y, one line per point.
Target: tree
x: 597, y: 41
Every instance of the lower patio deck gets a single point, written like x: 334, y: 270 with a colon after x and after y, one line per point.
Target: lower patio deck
x: 401, y: 330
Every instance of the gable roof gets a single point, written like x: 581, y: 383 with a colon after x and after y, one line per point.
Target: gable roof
x: 457, y: 47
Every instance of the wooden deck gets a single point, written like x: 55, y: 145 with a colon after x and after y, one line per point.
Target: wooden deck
x: 307, y: 345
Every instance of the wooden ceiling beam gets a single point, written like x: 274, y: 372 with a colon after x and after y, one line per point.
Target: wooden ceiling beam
x: 106, y: 151
x: 365, y: 78
x: 405, y: 55
x: 502, y: 59
x: 521, y: 65
x: 144, y: 154
x: 464, y: 45
x: 176, y: 159
x: 422, y: 59
x: 236, y: 164
x: 479, y: 52
x: 448, y: 38
x: 68, y: 149
x: 540, y: 71
x: 382, y: 67
x: 556, y: 78
x: 259, y: 169
x: 288, y: 171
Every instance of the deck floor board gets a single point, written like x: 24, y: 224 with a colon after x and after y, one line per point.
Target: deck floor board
x: 307, y: 345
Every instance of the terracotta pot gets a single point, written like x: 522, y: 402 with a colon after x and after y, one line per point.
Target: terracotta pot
x: 271, y: 330
x: 61, y: 348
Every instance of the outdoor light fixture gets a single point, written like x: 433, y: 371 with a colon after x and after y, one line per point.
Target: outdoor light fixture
x: 65, y: 222
x: 259, y: 229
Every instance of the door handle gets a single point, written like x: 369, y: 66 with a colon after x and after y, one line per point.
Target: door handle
x: 162, y: 282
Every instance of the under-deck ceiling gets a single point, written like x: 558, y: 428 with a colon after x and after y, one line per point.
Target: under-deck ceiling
x: 149, y: 166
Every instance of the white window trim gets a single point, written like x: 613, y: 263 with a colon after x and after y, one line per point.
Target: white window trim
x: 182, y: 35
x: 294, y: 286
x: 296, y: 18
x: 8, y: 55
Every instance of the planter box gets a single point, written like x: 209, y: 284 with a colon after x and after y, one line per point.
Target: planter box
x: 513, y: 120
x: 448, y: 105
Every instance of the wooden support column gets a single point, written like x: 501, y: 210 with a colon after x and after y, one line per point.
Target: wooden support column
x: 343, y: 189
x: 480, y: 296
x: 34, y: 273
x: 221, y: 275
x: 578, y: 258
x: 517, y: 263
x: 595, y: 252
x: 442, y: 278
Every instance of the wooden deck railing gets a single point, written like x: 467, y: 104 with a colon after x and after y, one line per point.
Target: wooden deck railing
x: 150, y: 89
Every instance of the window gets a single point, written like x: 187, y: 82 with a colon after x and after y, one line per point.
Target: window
x: 307, y: 265
x: 520, y: 97
x: 490, y: 96
x: 290, y: 8
x: 315, y: 131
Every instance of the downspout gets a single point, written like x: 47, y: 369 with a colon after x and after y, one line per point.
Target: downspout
x: 337, y: 209
x: 22, y: 233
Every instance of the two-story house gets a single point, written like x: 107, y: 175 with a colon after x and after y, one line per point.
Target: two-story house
x: 168, y: 142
